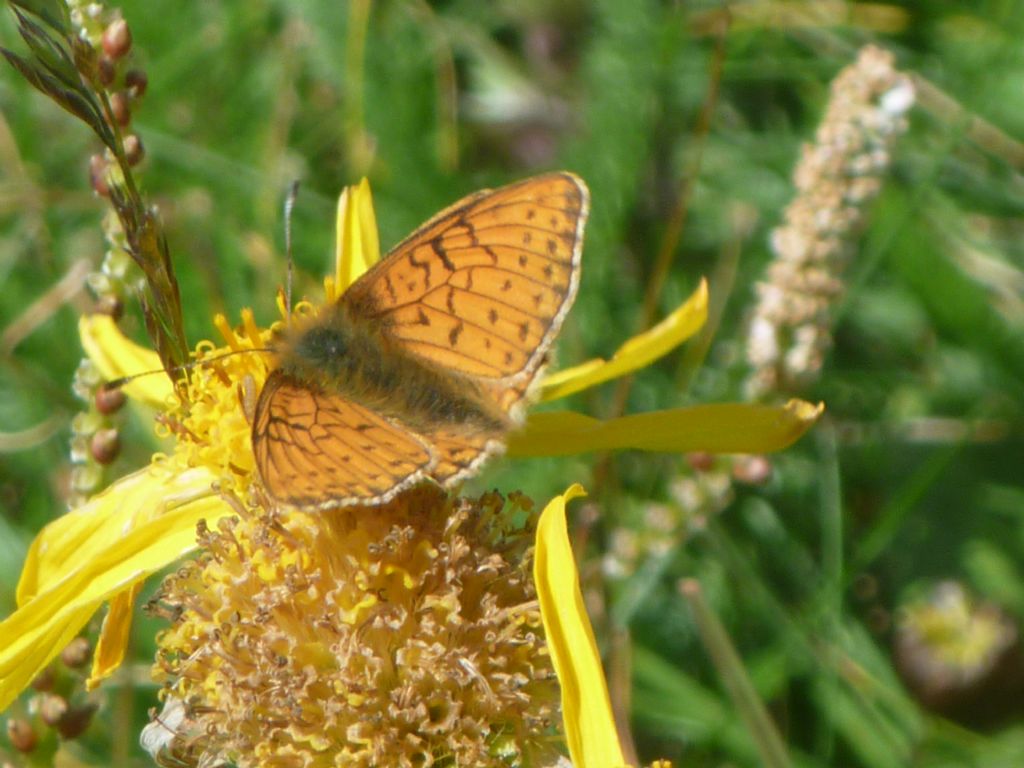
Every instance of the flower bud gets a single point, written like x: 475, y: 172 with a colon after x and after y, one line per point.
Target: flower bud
x: 700, y: 461
x: 43, y: 681
x: 52, y: 708
x: 121, y: 108
x: 752, y: 470
x: 109, y: 400
x: 135, y: 80
x: 76, y: 720
x: 98, y: 175
x: 112, y: 306
x: 78, y: 651
x: 117, y: 39
x: 105, y: 447
x: 133, y: 149
x: 21, y: 735
x: 106, y: 71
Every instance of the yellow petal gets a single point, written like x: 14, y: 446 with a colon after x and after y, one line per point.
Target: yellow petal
x: 586, y: 708
x: 137, y: 526
x: 86, y: 533
x: 357, y: 244
x: 719, y: 428
x: 113, y: 640
x: 637, y: 352
x: 115, y: 355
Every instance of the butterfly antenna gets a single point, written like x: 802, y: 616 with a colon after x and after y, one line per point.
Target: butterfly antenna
x: 121, y: 381
x: 289, y: 206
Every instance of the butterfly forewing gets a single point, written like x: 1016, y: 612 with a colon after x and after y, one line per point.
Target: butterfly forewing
x: 317, y: 449
x: 483, y: 287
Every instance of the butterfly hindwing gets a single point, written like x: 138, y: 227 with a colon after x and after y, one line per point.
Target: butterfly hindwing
x: 316, y: 449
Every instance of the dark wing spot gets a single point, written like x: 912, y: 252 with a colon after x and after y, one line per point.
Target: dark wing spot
x: 422, y: 319
x: 554, y: 221
x: 453, y: 335
x: 552, y: 246
x: 410, y: 286
x: 442, y: 254
x: 492, y: 315
x: 538, y: 298
x: 527, y: 237
x: 508, y: 358
x: 487, y: 344
x: 549, y: 271
x: 530, y: 213
x: 524, y: 331
x: 523, y: 260
x: 506, y: 286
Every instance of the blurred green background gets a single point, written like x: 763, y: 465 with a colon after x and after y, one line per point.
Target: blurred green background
x: 903, y: 509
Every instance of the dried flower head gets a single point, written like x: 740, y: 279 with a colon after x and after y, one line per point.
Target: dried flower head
x: 403, y: 635
x: 837, y: 176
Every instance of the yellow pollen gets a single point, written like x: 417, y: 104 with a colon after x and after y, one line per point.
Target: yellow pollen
x: 251, y: 329
x: 226, y: 331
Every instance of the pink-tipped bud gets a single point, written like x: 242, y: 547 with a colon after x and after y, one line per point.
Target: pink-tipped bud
x: 752, y: 470
x: 133, y: 149
x: 117, y: 39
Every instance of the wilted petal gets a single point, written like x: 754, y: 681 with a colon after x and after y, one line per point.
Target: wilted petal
x: 637, y: 352
x: 136, y: 527
x: 719, y: 428
x: 113, y: 640
x: 586, y: 708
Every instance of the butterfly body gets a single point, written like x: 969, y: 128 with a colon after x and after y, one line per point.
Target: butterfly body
x: 422, y: 367
x: 344, y: 355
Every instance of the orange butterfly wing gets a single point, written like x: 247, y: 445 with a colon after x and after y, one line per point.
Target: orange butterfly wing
x: 318, y: 450
x: 483, y: 287
x: 479, y: 291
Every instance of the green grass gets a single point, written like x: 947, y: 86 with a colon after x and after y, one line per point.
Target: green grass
x: 808, y: 572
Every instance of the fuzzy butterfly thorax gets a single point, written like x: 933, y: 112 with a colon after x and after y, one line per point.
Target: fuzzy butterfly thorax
x: 422, y: 367
x: 341, y: 353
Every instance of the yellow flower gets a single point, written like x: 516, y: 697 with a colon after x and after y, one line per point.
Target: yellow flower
x: 143, y: 522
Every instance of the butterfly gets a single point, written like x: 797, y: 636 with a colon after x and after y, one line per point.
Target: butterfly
x: 419, y: 371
